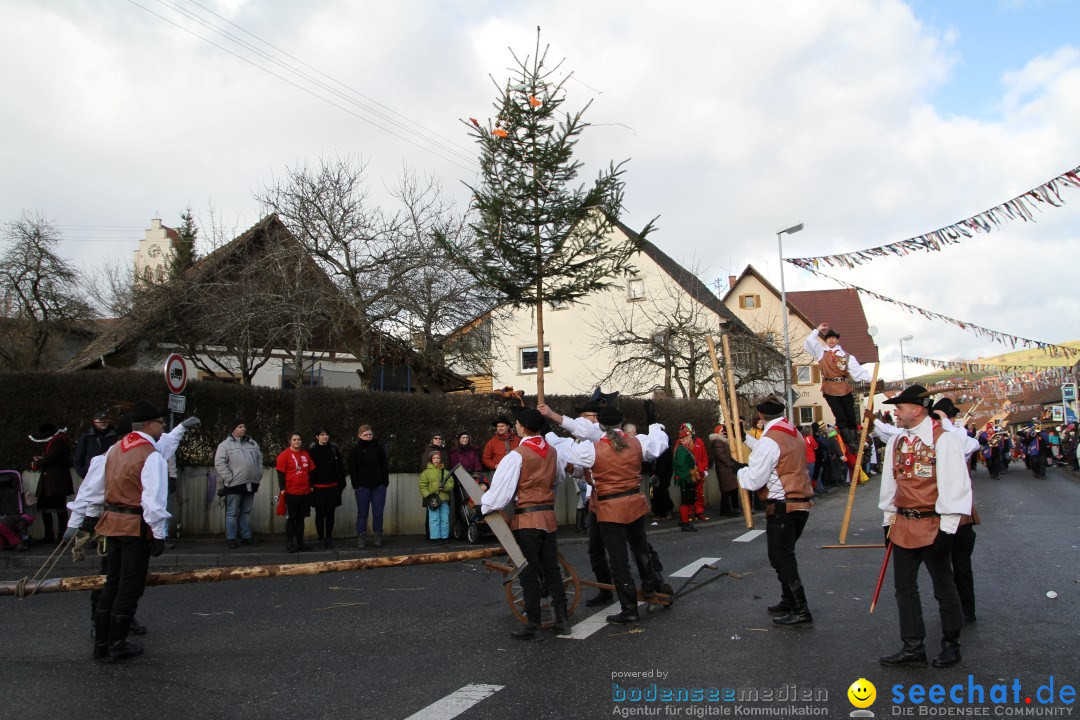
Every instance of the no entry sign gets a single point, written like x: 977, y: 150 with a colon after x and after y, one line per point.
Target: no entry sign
x: 175, y: 374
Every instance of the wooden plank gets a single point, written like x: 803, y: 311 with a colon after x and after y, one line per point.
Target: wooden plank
x: 495, y: 520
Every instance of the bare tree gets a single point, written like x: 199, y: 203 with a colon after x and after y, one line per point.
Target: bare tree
x: 112, y: 287
x: 40, y: 294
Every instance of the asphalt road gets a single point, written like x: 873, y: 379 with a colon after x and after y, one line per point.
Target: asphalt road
x: 390, y: 643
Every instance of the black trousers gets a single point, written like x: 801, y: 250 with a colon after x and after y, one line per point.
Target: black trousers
x: 906, y: 579
x: 597, y: 555
x: 617, y: 536
x: 298, y: 508
x: 661, y: 498
x: 961, y: 566
x: 782, y: 531
x: 541, y: 550
x: 127, y: 561
x: 1038, y: 465
x: 843, y: 408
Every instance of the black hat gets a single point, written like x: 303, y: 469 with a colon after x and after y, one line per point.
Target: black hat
x: 911, y: 395
x: 123, y: 425
x: 609, y: 416
x: 144, y: 412
x: 102, y: 416
x: 830, y: 333
x: 501, y: 419
x: 603, y: 398
x: 530, y: 418
x: 236, y: 422
x: 593, y: 406
x: 771, y: 406
x: 946, y: 406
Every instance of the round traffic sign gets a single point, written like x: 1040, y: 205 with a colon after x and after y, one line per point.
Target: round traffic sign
x: 175, y: 374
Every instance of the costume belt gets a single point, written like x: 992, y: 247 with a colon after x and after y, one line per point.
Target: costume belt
x: 916, y: 513
x: 776, y: 501
x: 839, y: 379
x: 533, y: 508
x: 123, y: 509
x: 624, y: 493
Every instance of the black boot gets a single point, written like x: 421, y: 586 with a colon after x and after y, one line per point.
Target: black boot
x: 119, y: 648
x: 562, y: 619
x: 136, y: 628
x: 786, y: 604
x: 800, y: 614
x: 529, y: 631
x: 950, y: 651
x: 913, y: 654
x: 101, y: 635
x: 602, y: 597
x: 579, y: 524
x: 629, y: 612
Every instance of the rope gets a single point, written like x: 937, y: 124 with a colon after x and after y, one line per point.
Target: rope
x: 45, y: 569
x: 78, y: 547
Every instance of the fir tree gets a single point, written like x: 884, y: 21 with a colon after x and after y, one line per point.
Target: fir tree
x: 540, y: 234
x: 183, y: 254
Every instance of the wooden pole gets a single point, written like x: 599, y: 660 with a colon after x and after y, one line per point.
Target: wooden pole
x: 250, y: 572
x: 867, y: 415
x: 734, y: 433
x: 733, y: 428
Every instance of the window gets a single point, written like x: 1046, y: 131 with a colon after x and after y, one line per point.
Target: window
x: 635, y: 289
x: 802, y: 375
x: 809, y: 414
x: 528, y: 358
x: 749, y: 302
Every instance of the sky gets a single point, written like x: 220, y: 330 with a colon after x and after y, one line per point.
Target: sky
x: 869, y: 121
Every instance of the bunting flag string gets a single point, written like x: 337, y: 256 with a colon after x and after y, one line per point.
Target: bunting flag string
x: 1020, y: 207
x: 965, y: 366
x: 995, y: 335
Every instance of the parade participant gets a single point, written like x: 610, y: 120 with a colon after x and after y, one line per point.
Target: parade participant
x: 925, y: 489
x: 85, y: 513
x: 499, y: 444
x: 133, y: 489
x: 527, y: 474
x: 615, y: 460
x: 327, y: 485
x: 294, y: 466
x: 837, y: 368
x: 990, y: 442
x: 777, y: 470
x: 1038, y: 450
x: 238, y: 463
x: 684, y: 473
x: 54, y: 483
x: 701, y: 460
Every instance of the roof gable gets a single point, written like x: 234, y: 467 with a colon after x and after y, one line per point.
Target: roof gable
x: 843, y: 310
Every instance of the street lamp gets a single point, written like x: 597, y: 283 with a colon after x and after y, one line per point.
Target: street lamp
x: 903, y: 380
x: 787, y: 339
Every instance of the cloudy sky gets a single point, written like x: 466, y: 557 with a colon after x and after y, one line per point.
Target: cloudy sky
x: 868, y: 121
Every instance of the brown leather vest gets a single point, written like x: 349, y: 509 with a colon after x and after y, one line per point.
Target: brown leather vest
x: 536, y: 486
x: 834, y: 366
x: 615, y: 473
x: 123, y: 487
x: 792, y: 471
x: 915, y: 471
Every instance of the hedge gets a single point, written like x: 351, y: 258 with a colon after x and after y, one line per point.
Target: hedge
x: 405, y: 421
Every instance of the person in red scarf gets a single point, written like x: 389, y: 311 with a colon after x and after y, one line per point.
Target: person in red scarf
x: 777, y: 470
x: 294, y: 467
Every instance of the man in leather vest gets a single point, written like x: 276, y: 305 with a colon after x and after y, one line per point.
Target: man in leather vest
x: 777, y: 470
x: 837, y: 368
x: 527, y: 475
x: 925, y: 491
x: 135, y: 488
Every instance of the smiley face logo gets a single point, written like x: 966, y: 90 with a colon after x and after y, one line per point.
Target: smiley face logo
x: 862, y: 693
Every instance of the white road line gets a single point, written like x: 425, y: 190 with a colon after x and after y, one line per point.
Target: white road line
x: 591, y: 624
x: 456, y: 702
x: 692, y: 568
x: 748, y: 536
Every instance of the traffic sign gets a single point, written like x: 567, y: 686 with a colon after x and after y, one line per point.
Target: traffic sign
x: 177, y: 403
x: 1068, y: 392
x: 175, y: 374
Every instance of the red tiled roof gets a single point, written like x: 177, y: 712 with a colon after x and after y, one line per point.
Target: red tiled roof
x: 843, y: 311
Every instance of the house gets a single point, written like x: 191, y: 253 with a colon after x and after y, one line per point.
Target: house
x: 645, y: 334
x: 757, y: 303
x: 238, y: 337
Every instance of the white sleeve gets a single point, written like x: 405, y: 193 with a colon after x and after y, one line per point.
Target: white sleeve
x: 971, y: 445
x: 168, y: 442
x: 857, y: 371
x: 763, y: 460
x: 888, y: 482
x: 504, y: 484
x: 749, y: 441
x: 812, y: 346
x: 572, y: 453
x: 884, y: 432
x: 91, y: 498
x: 954, y: 483
x: 582, y: 428
x: 654, y: 444
x: 155, y: 484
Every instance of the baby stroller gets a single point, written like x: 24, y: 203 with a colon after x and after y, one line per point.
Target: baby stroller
x: 14, y: 517
x: 468, y: 521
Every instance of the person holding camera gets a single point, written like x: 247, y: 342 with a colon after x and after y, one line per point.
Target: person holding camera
x: 436, y: 482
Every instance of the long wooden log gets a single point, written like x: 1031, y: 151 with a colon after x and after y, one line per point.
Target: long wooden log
x: 251, y: 572
x: 733, y: 428
x: 857, y: 471
x: 735, y: 433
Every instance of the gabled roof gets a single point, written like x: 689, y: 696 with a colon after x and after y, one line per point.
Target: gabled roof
x: 689, y: 282
x: 751, y: 271
x: 843, y: 310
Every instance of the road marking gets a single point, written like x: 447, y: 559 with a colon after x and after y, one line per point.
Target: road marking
x: 456, y: 702
x: 748, y: 536
x: 692, y: 568
x: 591, y: 624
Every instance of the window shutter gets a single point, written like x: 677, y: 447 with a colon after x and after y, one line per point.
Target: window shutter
x: 742, y: 302
x: 757, y: 301
x: 817, y: 413
x: 815, y: 374
x: 794, y: 374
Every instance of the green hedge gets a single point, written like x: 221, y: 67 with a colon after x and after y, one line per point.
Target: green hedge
x: 407, y: 420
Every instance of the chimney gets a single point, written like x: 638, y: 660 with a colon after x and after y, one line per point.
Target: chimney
x: 731, y: 280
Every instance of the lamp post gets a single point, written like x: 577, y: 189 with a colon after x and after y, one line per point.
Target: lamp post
x: 903, y: 380
x: 788, y: 400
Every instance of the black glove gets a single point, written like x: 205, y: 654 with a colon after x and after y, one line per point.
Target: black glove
x: 221, y: 492
x: 738, y: 466
x: 157, y: 547
x: 886, y: 529
x: 650, y: 412
x: 943, y: 543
